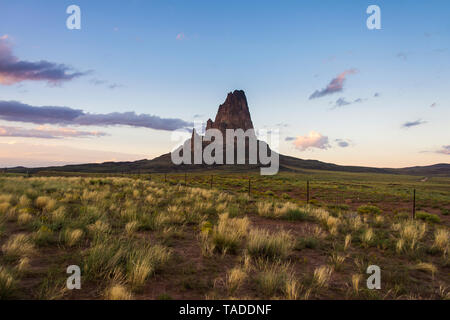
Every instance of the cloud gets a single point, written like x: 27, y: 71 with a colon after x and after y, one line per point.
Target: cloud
x: 377, y: 95
x: 180, y: 36
x: 99, y: 82
x: 115, y: 85
x: 341, y: 102
x: 444, y: 150
x: 20, y: 112
x: 13, y: 70
x: 47, y: 133
x: 310, y: 141
x: 343, y: 143
x: 413, y: 123
x: 434, y: 104
x: 335, y: 85
x: 289, y: 139
x: 402, y: 55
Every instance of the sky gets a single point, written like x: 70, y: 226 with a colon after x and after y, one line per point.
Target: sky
x: 116, y: 89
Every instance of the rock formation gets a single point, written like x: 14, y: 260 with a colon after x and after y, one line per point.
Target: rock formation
x: 232, y: 114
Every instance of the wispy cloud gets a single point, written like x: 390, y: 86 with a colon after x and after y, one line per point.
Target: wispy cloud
x: 13, y: 70
x: 413, y: 123
x: 20, y: 112
x: 99, y: 82
x: 444, y: 150
x: 44, y: 132
x: 289, y: 138
x: 311, y: 141
x: 180, y: 36
x: 341, y: 102
x: 335, y: 85
x: 402, y: 55
x: 434, y: 104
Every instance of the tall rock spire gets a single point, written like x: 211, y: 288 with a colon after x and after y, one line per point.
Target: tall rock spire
x: 232, y: 114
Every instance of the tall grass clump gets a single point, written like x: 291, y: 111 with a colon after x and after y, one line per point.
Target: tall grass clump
x: 411, y: 232
x: 322, y: 276
x: 272, y: 278
x: 263, y: 244
x: 235, y: 278
x: 7, y: 284
x: 229, y: 232
x: 72, y: 237
x: 142, y: 262
x: 17, y: 246
x: 441, y: 240
x: 117, y: 292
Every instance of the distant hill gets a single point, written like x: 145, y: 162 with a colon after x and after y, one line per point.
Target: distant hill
x: 163, y: 164
x: 232, y: 114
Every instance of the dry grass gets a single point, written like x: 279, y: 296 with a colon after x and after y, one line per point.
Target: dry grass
x: 73, y: 237
x: 441, y: 240
x: 24, y: 218
x: 347, y: 241
x: 411, y: 232
x: 7, y: 283
x: 426, y: 267
x: 19, y: 245
x: 337, y: 260
x: 23, y: 265
x: 131, y: 227
x: 368, y: 237
x: 261, y: 243
x: 117, y: 292
x: 144, y: 261
x: 272, y: 277
x: 235, y: 279
x: 322, y: 276
x: 356, y: 280
x: 229, y: 232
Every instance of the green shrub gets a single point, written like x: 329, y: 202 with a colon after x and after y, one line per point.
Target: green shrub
x: 369, y: 209
x: 307, y: 242
x: 297, y: 214
x: 429, y: 217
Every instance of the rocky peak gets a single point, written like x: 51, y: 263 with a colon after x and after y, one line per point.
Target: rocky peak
x: 232, y: 114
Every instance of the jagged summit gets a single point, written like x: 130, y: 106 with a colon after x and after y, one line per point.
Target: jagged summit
x: 232, y: 114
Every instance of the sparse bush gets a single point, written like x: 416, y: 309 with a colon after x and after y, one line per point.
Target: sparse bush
x: 307, y: 242
x: 369, y: 209
x: 428, y: 217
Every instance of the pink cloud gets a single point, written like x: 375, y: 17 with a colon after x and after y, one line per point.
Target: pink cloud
x: 180, y: 36
x: 311, y: 140
x: 335, y: 85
